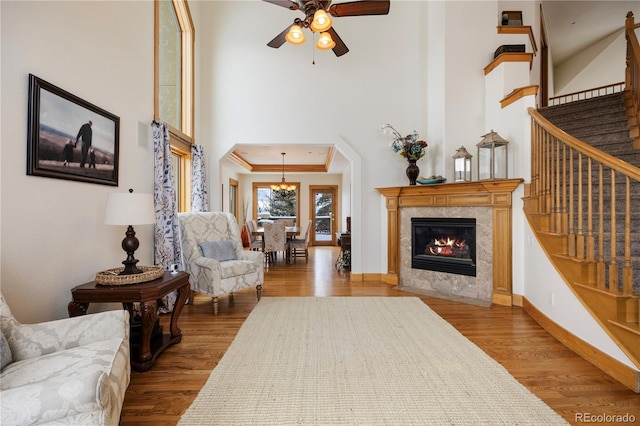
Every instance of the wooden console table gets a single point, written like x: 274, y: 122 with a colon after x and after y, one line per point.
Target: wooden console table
x: 146, y: 350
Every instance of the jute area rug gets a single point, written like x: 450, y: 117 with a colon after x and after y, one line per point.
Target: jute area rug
x: 359, y: 361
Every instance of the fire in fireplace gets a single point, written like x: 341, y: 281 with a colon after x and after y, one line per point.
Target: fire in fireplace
x: 444, y: 245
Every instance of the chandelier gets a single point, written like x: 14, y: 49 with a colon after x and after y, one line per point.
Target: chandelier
x: 320, y: 23
x: 283, y: 188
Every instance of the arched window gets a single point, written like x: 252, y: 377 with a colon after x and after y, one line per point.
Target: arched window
x: 173, y: 85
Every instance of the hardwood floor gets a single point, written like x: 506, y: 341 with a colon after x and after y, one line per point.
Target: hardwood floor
x: 567, y: 383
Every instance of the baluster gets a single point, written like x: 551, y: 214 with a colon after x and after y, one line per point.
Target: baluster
x: 535, y: 155
x: 572, y: 225
x: 580, y: 207
x: 545, y: 172
x: 627, y: 272
x: 564, y: 227
x: 590, y: 241
x: 613, y: 265
x: 557, y: 213
x: 600, y: 266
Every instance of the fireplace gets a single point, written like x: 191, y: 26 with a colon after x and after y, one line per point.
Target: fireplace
x: 444, y: 245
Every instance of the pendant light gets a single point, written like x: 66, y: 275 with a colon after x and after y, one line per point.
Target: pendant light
x: 283, y: 188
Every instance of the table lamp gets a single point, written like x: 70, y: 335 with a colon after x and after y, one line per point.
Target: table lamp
x: 127, y: 208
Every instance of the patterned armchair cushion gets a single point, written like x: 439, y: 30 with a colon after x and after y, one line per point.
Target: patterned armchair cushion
x: 219, y: 250
x: 72, y: 371
x: 52, y: 386
x: 7, y: 358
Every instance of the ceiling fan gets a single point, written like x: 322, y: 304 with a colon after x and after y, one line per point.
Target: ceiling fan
x: 317, y: 20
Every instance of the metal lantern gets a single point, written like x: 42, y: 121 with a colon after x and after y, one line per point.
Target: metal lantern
x: 492, y: 157
x: 462, y: 165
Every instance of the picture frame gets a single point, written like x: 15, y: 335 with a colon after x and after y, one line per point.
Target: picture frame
x: 70, y: 138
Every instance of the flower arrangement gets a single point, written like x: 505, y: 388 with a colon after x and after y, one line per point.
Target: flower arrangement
x: 410, y: 147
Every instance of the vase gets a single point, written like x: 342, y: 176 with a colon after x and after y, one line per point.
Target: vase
x: 412, y: 172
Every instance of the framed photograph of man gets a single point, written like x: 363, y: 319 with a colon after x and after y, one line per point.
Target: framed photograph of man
x: 69, y: 138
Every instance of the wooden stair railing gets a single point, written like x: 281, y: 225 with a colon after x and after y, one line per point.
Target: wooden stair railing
x: 632, y: 78
x: 579, y: 205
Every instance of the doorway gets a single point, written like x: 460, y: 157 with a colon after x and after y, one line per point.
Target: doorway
x: 322, y: 211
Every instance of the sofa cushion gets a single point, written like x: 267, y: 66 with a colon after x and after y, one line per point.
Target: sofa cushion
x: 237, y: 268
x: 6, y: 351
x: 220, y: 250
x: 60, y: 384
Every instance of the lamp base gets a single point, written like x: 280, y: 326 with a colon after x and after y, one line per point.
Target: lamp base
x: 130, y: 267
x: 130, y: 244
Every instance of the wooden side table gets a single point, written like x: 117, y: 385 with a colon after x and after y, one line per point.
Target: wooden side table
x: 147, y: 294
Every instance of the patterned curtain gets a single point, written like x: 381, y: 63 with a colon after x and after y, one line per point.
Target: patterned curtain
x: 167, y: 238
x: 199, y: 198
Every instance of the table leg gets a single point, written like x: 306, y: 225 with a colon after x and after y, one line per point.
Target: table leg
x: 183, y: 292
x: 149, y: 315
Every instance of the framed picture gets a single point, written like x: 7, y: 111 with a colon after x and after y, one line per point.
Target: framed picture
x: 69, y: 138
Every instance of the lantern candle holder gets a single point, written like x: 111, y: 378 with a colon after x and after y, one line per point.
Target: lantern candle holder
x: 462, y: 165
x: 493, y: 157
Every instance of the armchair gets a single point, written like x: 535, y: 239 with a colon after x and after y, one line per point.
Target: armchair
x: 69, y: 371
x: 213, y: 256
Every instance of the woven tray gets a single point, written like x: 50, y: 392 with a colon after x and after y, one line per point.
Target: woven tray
x: 111, y: 277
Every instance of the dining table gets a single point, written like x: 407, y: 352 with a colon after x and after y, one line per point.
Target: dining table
x: 291, y: 231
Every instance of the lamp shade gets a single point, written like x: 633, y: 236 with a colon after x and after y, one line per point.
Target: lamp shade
x: 325, y: 42
x: 295, y: 35
x: 321, y: 21
x: 129, y: 208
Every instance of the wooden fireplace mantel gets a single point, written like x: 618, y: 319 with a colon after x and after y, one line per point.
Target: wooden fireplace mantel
x: 496, y: 194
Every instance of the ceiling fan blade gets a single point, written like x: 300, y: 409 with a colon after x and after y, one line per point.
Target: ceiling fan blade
x: 340, y: 48
x: 291, y: 5
x: 279, y: 39
x: 359, y: 8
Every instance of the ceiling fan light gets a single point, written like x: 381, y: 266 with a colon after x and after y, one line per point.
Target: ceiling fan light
x: 321, y: 21
x: 295, y: 35
x: 325, y: 42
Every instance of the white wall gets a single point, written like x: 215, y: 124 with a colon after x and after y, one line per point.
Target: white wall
x: 336, y: 100
x: 53, y: 236
x: 598, y: 65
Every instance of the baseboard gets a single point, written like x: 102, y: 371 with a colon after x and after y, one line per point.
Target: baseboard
x: 517, y: 300
x: 614, y: 368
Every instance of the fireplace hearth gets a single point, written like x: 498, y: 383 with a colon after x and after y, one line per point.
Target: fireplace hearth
x: 444, y: 245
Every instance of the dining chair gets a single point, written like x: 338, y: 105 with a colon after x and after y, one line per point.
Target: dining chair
x: 300, y: 247
x: 275, y: 240
x: 287, y: 222
x: 255, y: 243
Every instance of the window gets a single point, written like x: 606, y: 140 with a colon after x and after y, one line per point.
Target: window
x: 173, y: 100
x: 271, y: 205
x: 233, y: 199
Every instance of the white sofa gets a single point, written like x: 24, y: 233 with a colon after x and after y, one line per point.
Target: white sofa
x: 71, y: 371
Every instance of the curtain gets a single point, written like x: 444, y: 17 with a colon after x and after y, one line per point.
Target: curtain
x: 167, y: 238
x: 199, y: 198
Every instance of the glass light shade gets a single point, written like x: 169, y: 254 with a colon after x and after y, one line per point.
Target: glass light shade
x: 295, y: 35
x: 493, y: 157
x: 129, y: 208
x: 462, y: 165
x: 321, y: 21
x: 325, y: 42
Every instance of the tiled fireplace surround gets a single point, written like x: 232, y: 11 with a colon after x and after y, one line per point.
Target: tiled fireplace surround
x: 489, y: 202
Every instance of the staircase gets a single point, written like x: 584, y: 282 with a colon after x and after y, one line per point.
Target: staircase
x: 583, y: 203
x: 602, y: 123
